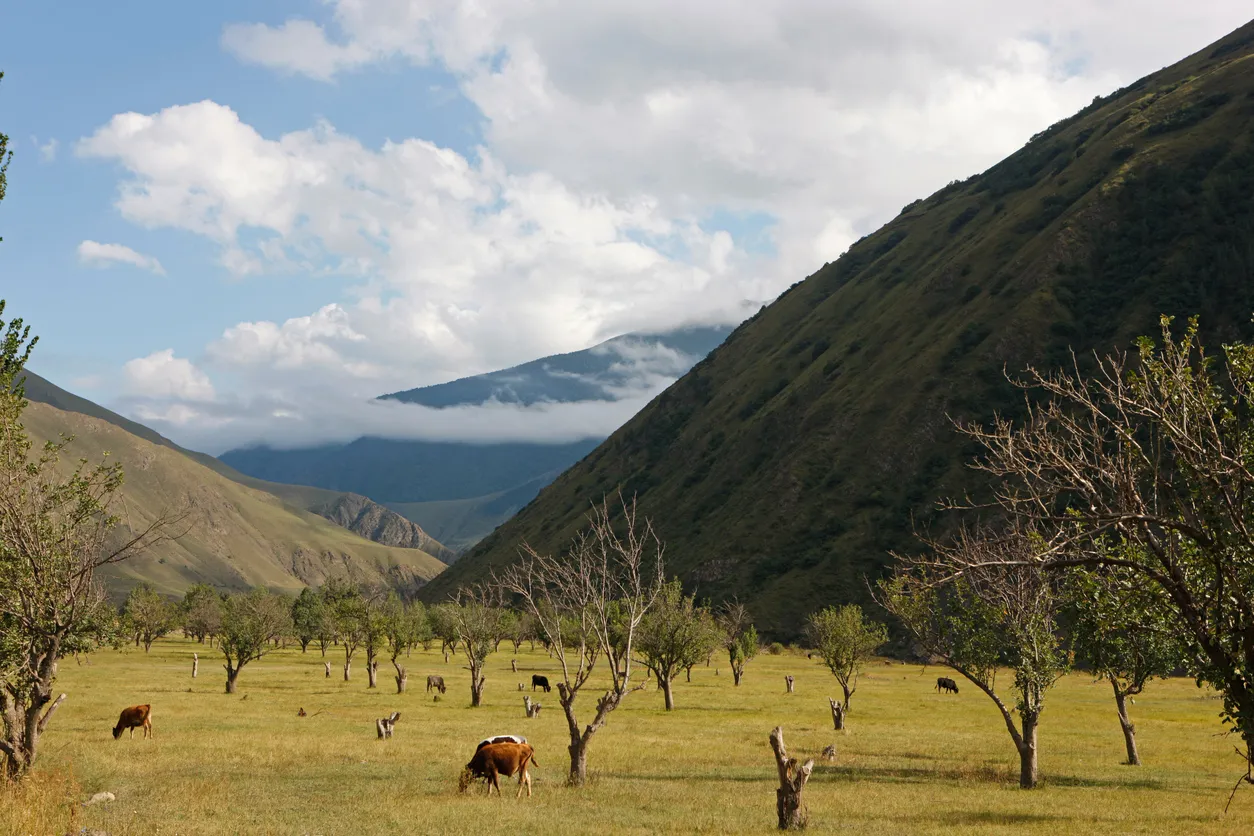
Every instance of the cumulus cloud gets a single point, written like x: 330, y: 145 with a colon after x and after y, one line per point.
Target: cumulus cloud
x: 623, y: 143
x: 103, y: 255
x: 164, y: 376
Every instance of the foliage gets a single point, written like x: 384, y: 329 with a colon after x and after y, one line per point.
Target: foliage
x: 148, y: 615
x: 250, y: 622
x: 845, y: 639
x: 740, y: 637
x: 201, y: 611
x: 56, y: 531
x: 675, y: 634
x: 310, y: 618
x: 475, y: 620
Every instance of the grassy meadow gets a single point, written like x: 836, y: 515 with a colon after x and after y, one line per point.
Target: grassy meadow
x: 912, y: 762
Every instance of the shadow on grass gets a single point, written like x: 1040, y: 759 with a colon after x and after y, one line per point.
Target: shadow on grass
x: 986, y: 774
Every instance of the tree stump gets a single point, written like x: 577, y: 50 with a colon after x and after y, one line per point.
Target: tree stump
x: 829, y: 752
x: 789, y: 805
x: 533, y: 709
x: 521, y: 687
x: 384, y: 724
x: 195, y: 664
x: 328, y: 667
x: 788, y: 680
x: 513, y: 664
x: 838, y: 714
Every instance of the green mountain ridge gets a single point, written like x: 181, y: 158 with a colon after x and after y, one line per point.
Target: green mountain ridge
x: 236, y: 536
x: 357, y: 513
x: 786, y: 466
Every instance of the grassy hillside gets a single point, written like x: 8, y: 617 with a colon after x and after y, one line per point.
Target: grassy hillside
x: 356, y: 513
x: 914, y: 762
x: 785, y: 466
x: 239, y: 537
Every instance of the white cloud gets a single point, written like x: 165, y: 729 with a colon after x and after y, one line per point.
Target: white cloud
x: 610, y: 130
x: 162, y: 375
x: 47, y: 150
x: 102, y: 255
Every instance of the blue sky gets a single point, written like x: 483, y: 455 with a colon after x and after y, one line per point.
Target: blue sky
x: 349, y: 198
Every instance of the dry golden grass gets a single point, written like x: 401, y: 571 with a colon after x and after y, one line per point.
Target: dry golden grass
x: 913, y: 762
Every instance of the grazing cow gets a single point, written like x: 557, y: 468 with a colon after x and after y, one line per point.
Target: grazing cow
x: 137, y: 716
x: 944, y: 683
x: 436, y: 682
x: 542, y: 681
x: 497, y: 759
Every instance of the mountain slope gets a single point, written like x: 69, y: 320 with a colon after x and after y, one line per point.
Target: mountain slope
x: 785, y: 466
x: 464, y: 490
x: 367, y: 518
x: 239, y: 537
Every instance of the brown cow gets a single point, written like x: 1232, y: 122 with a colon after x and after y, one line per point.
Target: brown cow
x: 500, y: 759
x: 136, y: 716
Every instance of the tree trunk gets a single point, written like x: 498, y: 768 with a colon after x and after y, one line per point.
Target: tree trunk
x: 147, y: 645
x: 669, y: 698
x: 736, y: 673
x: 1129, y: 730
x: 372, y: 674
x: 1027, y: 754
x: 513, y: 664
x: 327, y: 665
x: 789, y: 805
x: 347, y: 667
x: 476, y: 688
x: 788, y: 680
x: 838, y: 714
x: 231, y: 675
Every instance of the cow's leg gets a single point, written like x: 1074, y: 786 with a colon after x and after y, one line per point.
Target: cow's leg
x: 524, y: 777
x: 492, y: 782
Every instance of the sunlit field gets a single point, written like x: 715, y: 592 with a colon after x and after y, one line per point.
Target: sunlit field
x: 912, y: 762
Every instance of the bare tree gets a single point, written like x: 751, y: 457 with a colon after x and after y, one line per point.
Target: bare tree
x: 981, y: 604
x: 590, y: 603
x: 250, y: 622
x: 845, y: 639
x: 1157, y: 452
x: 674, y: 635
x: 742, y: 637
x: 475, y: 619
x: 56, y: 531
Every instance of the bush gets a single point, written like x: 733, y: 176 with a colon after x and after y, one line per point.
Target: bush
x: 775, y: 649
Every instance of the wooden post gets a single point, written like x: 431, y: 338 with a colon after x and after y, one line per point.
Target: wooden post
x: 328, y: 667
x: 838, y: 714
x: 789, y: 805
x: 195, y: 664
x: 788, y: 680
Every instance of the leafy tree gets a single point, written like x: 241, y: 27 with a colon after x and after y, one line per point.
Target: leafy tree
x: 1124, y: 635
x: 406, y: 626
x: 346, y: 608
x: 741, y: 637
x: 1001, y: 614
x: 476, y: 621
x: 56, y: 530
x: 250, y: 622
x: 149, y: 615
x: 443, y: 619
x: 674, y: 635
x: 845, y: 639
x: 588, y: 603
x: 1157, y: 452
x: 201, y: 612
x: 373, y: 628
x: 5, y: 157
x: 310, y: 619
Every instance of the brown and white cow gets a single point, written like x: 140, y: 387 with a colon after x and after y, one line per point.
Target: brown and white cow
x: 137, y: 716
x: 497, y: 759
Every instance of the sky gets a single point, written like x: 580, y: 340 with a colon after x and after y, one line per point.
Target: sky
x: 242, y: 221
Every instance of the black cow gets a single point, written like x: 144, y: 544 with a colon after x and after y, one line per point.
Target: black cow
x: 436, y: 683
x: 542, y: 681
x: 944, y: 683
